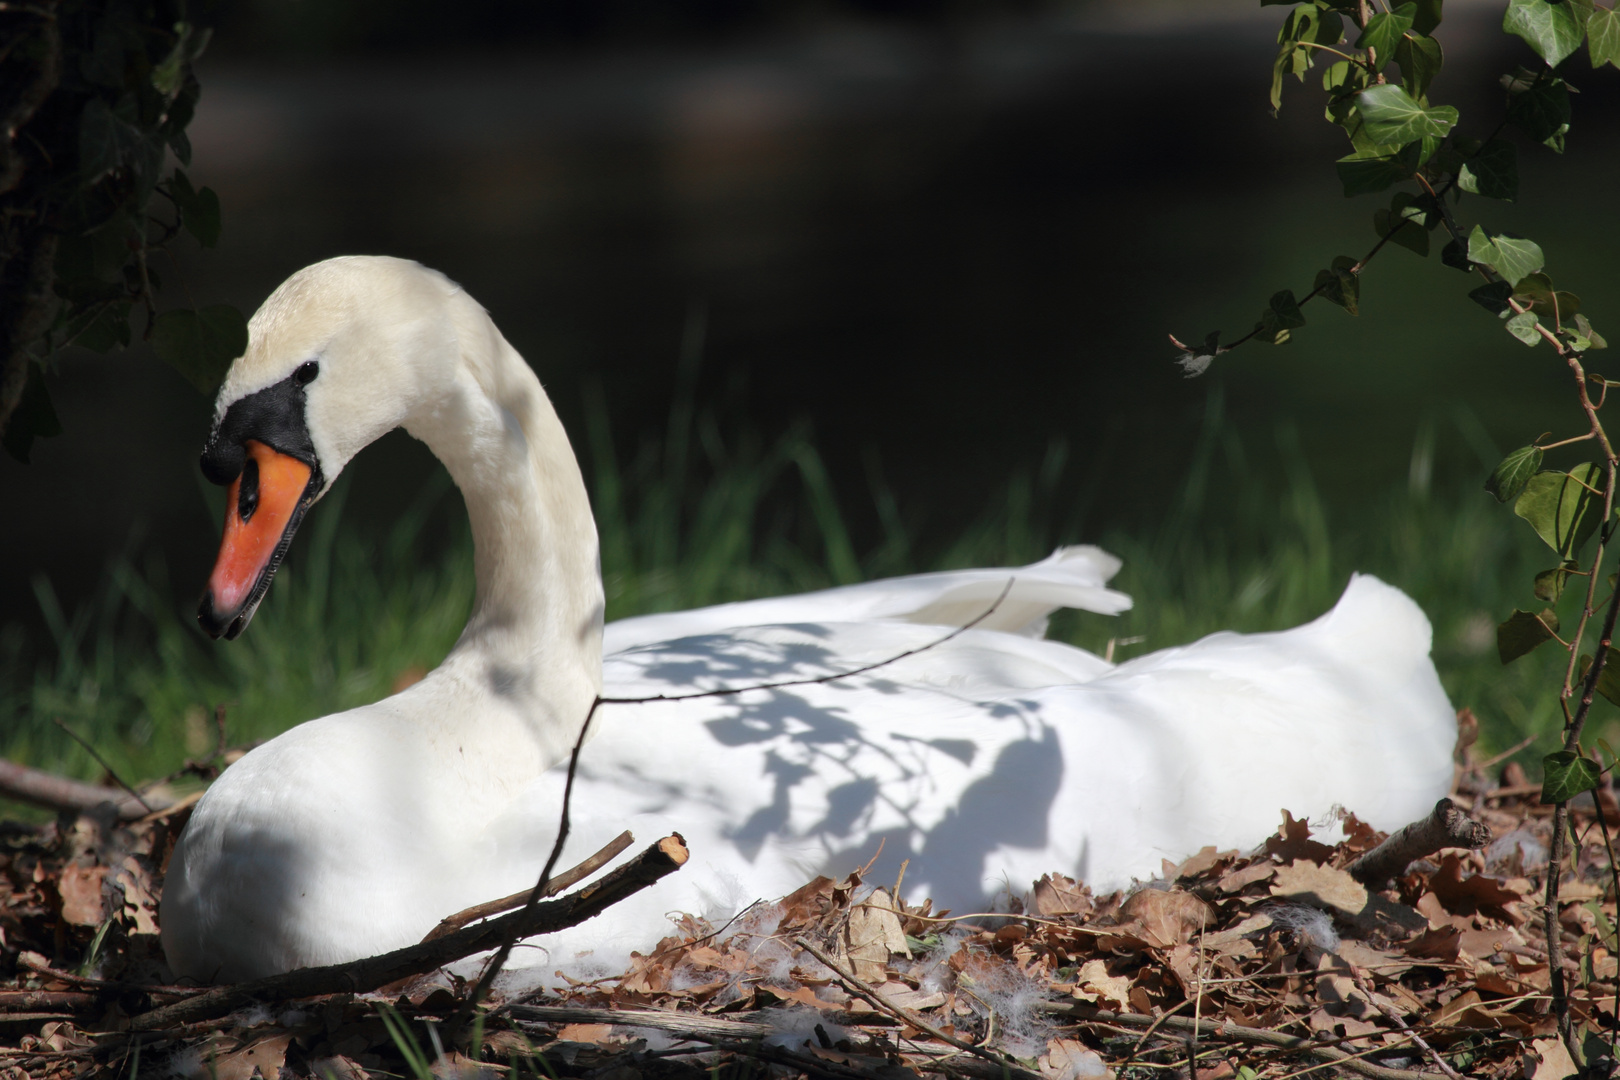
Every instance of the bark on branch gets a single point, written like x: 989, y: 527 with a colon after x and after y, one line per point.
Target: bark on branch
x: 361, y: 976
x: 1446, y: 827
x: 552, y: 887
x: 1216, y: 1029
x: 39, y: 788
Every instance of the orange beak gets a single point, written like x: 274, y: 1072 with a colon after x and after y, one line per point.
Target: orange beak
x: 263, y: 508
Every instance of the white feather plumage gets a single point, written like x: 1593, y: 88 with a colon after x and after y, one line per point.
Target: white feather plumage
x: 985, y: 761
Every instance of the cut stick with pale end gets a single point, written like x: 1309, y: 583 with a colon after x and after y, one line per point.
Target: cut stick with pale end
x: 369, y: 973
x: 1446, y: 827
x: 585, y: 869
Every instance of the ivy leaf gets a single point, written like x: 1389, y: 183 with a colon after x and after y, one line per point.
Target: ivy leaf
x: 1583, y: 337
x: 1285, y: 312
x: 1509, y: 478
x: 34, y: 417
x: 1390, y: 116
x: 1384, y: 31
x: 1195, y: 359
x: 1565, y: 774
x: 1511, y: 256
x: 199, y: 210
x: 1305, y: 23
x: 1563, y: 508
x: 1427, y: 17
x: 102, y: 329
x: 1523, y: 326
x: 1603, y: 37
x: 1492, y: 172
x: 1522, y: 631
x: 106, y: 141
x: 1554, y: 30
x: 1492, y: 297
x: 1541, y: 110
x: 1401, y: 230
x: 1420, y: 59
x: 200, y: 344
x: 1367, y: 173
x: 1455, y: 256
x: 1608, y: 683
x: 1340, y: 284
x: 1549, y: 585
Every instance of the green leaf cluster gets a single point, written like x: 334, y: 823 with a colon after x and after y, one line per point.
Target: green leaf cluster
x: 120, y: 108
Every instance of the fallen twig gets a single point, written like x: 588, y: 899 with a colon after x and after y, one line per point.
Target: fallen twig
x: 1225, y: 1029
x: 552, y: 887
x: 361, y: 976
x: 1446, y: 827
x: 859, y: 988
x: 743, y: 1037
x: 1395, y: 1017
x: 39, y: 788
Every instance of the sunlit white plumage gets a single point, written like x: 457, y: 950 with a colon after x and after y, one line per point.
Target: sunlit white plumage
x: 987, y: 760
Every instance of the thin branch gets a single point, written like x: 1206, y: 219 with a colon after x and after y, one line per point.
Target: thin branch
x: 370, y: 973
x: 1399, y: 1021
x: 1226, y: 1029
x: 119, y: 780
x: 859, y: 988
x: 39, y: 788
x: 553, y: 886
x: 818, y: 679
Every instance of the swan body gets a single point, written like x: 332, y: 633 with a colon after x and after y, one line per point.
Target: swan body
x: 986, y: 760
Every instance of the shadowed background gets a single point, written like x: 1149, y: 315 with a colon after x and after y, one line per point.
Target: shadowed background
x: 942, y: 246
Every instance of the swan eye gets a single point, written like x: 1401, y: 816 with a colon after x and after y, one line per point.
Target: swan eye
x: 306, y: 372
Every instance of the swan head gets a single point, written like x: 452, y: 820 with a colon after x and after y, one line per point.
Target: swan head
x: 341, y: 353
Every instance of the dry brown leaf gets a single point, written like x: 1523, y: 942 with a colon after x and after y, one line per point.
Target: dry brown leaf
x: 1071, y: 1059
x: 1206, y: 858
x: 1167, y: 917
x: 265, y: 1057
x: 1555, y: 1062
x: 1058, y: 895
x: 1320, y: 886
x: 806, y: 996
x: 1467, y: 894
x: 81, y: 893
x: 1378, y: 961
x: 585, y: 1033
x: 872, y: 934
x: 902, y: 996
x: 1100, y: 988
x: 1346, y: 1027
x: 1238, y: 880
x: 1436, y: 943
x: 1293, y: 841
x: 338, y: 1067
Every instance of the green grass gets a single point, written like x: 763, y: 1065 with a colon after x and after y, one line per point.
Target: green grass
x: 1247, y: 541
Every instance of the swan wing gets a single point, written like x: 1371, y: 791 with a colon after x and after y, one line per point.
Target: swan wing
x: 1072, y: 577
x: 983, y: 765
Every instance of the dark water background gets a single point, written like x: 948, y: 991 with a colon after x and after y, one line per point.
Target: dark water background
x: 948, y: 246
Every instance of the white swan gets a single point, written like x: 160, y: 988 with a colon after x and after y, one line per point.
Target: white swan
x: 986, y: 761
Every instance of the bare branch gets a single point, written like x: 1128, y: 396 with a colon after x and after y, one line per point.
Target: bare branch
x: 361, y: 976
x: 39, y: 788
x: 552, y: 888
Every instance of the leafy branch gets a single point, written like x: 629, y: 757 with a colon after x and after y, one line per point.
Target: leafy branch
x: 98, y: 95
x: 1380, y: 65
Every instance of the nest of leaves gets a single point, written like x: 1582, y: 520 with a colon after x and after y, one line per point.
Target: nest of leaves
x: 1273, y: 963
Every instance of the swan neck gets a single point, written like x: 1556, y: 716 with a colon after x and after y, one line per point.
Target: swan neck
x: 534, y: 638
